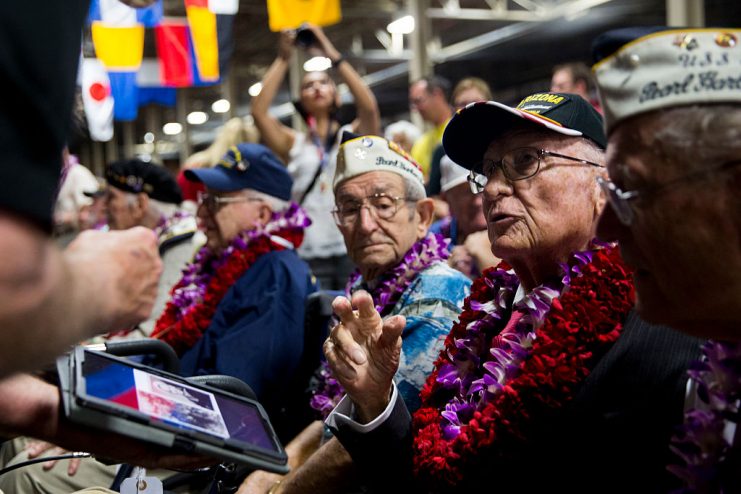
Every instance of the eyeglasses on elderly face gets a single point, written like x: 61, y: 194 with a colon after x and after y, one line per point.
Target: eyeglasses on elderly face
x: 380, y: 206
x: 517, y: 164
x: 214, y: 202
x: 620, y: 200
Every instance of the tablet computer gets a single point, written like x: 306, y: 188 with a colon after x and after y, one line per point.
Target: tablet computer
x: 115, y: 394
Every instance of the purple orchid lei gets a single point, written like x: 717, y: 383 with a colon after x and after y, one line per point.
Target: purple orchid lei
x: 386, y: 292
x: 508, y: 349
x: 197, y: 275
x: 705, y: 442
x: 166, y: 222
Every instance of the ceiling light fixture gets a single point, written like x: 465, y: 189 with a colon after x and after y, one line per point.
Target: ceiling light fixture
x: 197, y: 118
x: 402, y: 25
x: 172, y: 128
x: 221, y: 106
x: 317, y: 64
x: 255, y: 89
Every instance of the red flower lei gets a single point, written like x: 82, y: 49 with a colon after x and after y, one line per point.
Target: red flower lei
x: 209, y: 277
x: 580, y: 327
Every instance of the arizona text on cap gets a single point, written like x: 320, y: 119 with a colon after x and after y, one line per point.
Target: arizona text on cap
x: 363, y: 154
x: 474, y: 127
x: 674, y: 67
x: 246, y: 166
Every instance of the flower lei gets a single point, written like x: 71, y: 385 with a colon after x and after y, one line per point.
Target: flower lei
x: 710, y: 460
x: 166, y: 222
x: 386, y: 292
x: 206, y: 280
x: 493, y: 379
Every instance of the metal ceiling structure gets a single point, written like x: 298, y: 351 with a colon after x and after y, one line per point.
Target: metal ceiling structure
x: 512, y: 44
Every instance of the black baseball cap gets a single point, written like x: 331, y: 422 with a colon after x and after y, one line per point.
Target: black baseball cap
x: 246, y: 166
x: 135, y: 176
x: 473, y: 127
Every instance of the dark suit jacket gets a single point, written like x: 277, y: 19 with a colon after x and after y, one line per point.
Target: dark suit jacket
x: 612, y: 438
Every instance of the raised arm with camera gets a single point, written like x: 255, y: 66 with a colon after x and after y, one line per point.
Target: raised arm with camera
x: 321, y: 107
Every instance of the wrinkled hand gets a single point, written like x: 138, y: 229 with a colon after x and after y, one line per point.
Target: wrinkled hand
x: 36, y: 448
x: 363, y: 352
x: 286, y: 44
x: 479, y: 246
x: 461, y: 260
x: 119, y: 274
x: 259, y: 482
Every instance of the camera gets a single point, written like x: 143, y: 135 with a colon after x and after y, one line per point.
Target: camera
x: 304, y: 37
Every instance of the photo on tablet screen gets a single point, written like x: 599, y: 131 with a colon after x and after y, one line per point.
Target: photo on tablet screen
x: 179, y: 404
x: 175, y: 402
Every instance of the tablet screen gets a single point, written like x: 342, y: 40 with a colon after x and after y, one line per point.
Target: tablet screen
x: 174, y: 402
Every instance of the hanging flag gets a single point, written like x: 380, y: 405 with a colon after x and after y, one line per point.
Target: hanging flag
x: 173, y: 50
x: 204, y: 37
x: 97, y: 101
x: 151, y: 89
x: 120, y: 49
x: 117, y: 13
x: 225, y: 34
x: 290, y: 14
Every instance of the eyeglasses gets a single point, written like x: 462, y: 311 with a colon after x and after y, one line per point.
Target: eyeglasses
x: 214, y: 202
x: 517, y: 164
x: 381, y: 206
x: 620, y: 200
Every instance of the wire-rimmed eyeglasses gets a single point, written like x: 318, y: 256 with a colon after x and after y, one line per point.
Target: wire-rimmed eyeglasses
x: 517, y: 164
x: 215, y: 202
x: 380, y: 206
x: 620, y: 199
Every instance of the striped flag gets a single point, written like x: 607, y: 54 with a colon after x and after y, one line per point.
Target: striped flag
x: 202, y: 22
x: 120, y: 49
x: 116, y: 13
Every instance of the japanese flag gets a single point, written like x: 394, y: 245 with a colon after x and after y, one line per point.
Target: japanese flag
x: 97, y: 100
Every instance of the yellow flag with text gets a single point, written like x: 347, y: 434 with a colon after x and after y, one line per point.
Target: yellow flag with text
x: 290, y: 14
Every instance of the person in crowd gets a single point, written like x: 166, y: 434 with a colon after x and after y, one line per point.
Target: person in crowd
x: 384, y: 216
x: 468, y: 90
x: 403, y: 133
x: 675, y: 166
x: 52, y: 299
x: 470, y: 248
x: 146, y: 194
x: 137, y: 194
x: 238, y: 308
x: 549, y: 380
x: 311, y: 155
x: 429, y: 97
x: 72, y: 210
x: 576, y: 78
x: 246, y: 287
x: 36, y: 276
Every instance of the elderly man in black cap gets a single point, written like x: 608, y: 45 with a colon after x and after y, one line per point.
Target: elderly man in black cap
x: 549, y: 381
x: 672, y: 100
x: 146, y: 194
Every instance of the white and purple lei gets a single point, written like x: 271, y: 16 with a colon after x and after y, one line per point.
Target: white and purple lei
x: 705, y: 442
x: 386, y: 291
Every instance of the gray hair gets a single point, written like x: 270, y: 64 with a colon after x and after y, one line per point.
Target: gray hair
x: 414, y: 192
x: 275, y: 204
x: 404, y: 127
x: 700, y: 135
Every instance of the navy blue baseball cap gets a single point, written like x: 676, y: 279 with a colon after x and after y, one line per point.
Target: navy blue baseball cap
x: 246, y: 166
